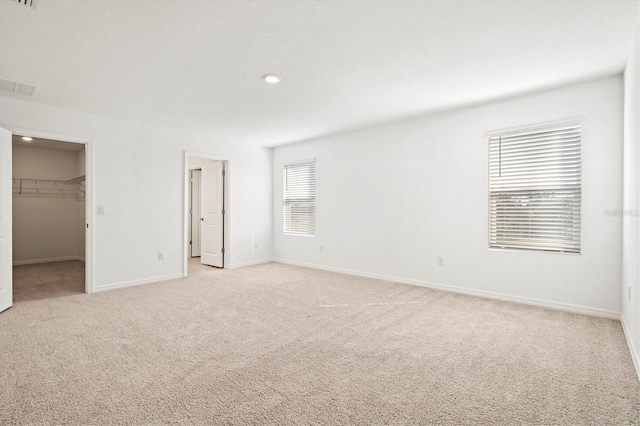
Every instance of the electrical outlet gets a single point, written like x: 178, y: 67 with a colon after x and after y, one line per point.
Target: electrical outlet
x: 321, y: 248
x: 160, y: 255
x: 440, y: 260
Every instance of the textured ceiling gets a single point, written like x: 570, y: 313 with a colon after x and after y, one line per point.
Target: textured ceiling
x: 344, y: 64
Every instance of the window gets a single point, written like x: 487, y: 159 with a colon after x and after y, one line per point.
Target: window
x: 299, y: 184
x: 535, y: 188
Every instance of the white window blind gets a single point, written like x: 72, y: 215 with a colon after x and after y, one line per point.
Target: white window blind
x: 535, y: 189
x: 299, y: 181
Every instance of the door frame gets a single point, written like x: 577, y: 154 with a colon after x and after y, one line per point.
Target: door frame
x: 89, y: 212
x: 6, y: 216
x: 227, y: 206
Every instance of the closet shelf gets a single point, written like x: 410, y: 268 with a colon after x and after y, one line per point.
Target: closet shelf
x: 50, y: 188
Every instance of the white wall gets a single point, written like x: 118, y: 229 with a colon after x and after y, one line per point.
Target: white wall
x: 631, y: 234
x: 391, y: 199
x: 139, y: 177
x: 44, y: 228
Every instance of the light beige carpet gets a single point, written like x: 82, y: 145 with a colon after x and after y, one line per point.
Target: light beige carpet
x: 47, y: 280
x: 278, y: 344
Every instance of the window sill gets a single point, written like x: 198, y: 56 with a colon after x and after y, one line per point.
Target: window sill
x: 562, y: 253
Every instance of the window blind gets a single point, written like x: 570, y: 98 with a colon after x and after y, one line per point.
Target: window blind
x: 535, y: 189
x: 299, y: 181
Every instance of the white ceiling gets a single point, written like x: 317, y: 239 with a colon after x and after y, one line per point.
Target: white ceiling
x: 344, y: 64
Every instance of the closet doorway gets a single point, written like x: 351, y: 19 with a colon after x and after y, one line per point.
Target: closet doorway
x: 49, y: 223
x: 206, y: 212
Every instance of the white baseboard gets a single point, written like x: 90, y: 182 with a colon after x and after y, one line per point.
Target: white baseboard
x: 250, y: 263
x: 47, y: 260
x: 635, y: 356
x: 136, y: 282
x: 585, y: 310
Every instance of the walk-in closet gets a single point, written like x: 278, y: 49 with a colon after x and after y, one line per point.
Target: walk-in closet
x: 48, y: 218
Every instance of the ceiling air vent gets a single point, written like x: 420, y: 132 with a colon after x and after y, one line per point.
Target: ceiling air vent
x: 15, y: 87
x: 33, y: 4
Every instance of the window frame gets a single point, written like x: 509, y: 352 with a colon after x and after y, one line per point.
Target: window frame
x: 528, y: 130
x: 286, y: 200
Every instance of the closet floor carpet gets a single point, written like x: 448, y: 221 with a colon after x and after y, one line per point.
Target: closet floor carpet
x: 278, y: 344
x: 47, y: 280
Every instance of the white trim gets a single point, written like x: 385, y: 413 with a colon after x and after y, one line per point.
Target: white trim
x: 227, y: 207
x: 46, y: 135
x: 205, y: 155
x: 535, y: 126
x: 293, y: 163
x: 90, y: 217
x: 89, y: 277
x: 251, y: 263
x: 6, y: 210
x: 470, y: 292
x: 136, y: 282
x: 634, y: 354
x: 531, y: 251
x: 47, y: 260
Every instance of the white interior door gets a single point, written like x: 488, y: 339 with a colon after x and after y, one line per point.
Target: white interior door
x: 6, y: 264
x: 212, y: 202
x: 196, y: 212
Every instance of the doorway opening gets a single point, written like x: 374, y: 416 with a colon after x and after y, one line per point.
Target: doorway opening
x: 206, y: 219
x: 48, y: 218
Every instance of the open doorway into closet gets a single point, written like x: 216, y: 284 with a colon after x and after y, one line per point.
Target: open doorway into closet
x: 49, y: 224
x: 206, y: 212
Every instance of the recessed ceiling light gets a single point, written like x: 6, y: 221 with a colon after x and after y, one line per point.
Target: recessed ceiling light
x: 27, y: 139
x: 271, y: 78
